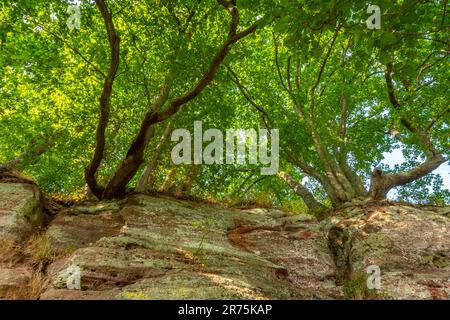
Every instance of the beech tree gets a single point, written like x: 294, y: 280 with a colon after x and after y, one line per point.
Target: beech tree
x: 95, y: 104
x: 156, y: 112
x: 345, y: 92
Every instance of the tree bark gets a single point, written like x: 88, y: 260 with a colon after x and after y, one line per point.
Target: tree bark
x: 88, y: 194
x: 147, y: 177
x: 116, y: 186
x: 126, y: 170
x: 382, y: 183
x: 114, y: 42
x: 189, y: 179
x: 312, y: 204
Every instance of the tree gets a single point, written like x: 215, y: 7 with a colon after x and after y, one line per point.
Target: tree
x: 334, y: 84
x: 93, y: 105
x: 155, y: 112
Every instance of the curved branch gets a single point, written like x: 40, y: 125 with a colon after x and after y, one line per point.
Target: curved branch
x: 129, y: 166
x: 382, y: 182
x: 247, y: 96
x: 114, y: 42
x: 210, y: 74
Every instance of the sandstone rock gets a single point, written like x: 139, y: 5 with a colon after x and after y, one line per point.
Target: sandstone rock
x: 79, y: 226
x: 12, y: 281
x: 21, y: 210
x: 172, y: 249
x: 303, y: 251
x: 411, y: 246
x: 156, y: 247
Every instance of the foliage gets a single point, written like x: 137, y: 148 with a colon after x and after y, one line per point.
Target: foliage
x: 305, y: 59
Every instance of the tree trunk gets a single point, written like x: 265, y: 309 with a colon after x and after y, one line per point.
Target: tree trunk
x: 116, y: 186
x: 340, y: 186
x: 382, y: 183
x: 321, y: 178
x: 353, y: 178
x: 189, y: 179
x: 88, y: 194
x: 114, y: 42
x: 147, y: 177
x: 312, y: 204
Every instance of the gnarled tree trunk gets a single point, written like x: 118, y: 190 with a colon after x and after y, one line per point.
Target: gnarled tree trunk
x: 128, y: 167
x: 114, y: 42
x: 382, y: 182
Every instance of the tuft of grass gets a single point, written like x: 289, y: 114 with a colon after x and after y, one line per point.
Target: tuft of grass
x: 10, y: 252
x: 35, y: 253
x: 31, y: 291
x: 253, y: 200
x: 39, y: 249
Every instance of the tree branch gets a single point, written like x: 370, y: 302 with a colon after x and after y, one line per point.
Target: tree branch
x: 382, y: 182
x: 247, y: 96
x: 129, y: 166
x: 325, y: 60
x: 210, y: 74
x: 114, y: 42
x: 307, y: 197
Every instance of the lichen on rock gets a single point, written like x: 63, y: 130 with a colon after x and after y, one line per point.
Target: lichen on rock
x: 410, y: 245
x: 21, y: 210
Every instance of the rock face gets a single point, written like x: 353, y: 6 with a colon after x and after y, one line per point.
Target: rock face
x: 21, y: 210
x: 171, y: 249
x: 409, y: 245
x: 13, y: 281
x: 21, y: 214
x: 156, y: 247
x: 80, y: 226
